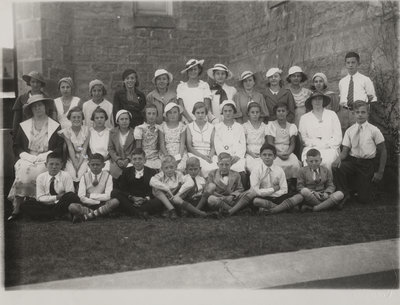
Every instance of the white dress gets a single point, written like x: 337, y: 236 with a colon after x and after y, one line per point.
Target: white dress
x: 98, y: 143
x: 255, y: 138
x: 324, y: 135
x: 231, y: 140
x: 282, y: 136
x: 201, y: 141
x: 192, y: 95
x: 61, y: 115
x: 172, y: 138
x: 88, y: 108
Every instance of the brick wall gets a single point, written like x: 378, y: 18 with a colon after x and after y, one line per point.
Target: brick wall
x: 88, y: 40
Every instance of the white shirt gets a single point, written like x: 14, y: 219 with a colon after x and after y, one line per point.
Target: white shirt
x: 263, y: 185
x: 192, y: 95
x: 370, y: 137
x: 95, y: 198
x: 139, y: 174
x: 98, y: 142
x: 88, y: 108
x: 231, y: 140
x: 62, y: 184
x: 61, y: 115
x: 363, y: 86
x: 323, y: 134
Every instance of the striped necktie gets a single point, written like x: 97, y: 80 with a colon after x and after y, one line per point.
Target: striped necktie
x: 350, y: 94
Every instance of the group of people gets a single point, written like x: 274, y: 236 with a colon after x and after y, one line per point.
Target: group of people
x: 204, y: 150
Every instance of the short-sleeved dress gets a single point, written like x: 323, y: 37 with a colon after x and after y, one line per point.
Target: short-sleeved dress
x: 299, y: 99
x: 282, y: 136
x: 255, y: 138
x: 172, y: 138
x: 149, y: 136
x: 192, y: 95
x: 77, y: 142
x: 201, y: 141
x: 61, y: 115
x: 98, y: 143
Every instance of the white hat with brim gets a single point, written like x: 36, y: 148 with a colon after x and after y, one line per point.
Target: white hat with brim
x: 34, y: 99
x: 170, y: 106
x: 35, y: 75
x: 326, y: 99
x: 191, y: 63
x: 160, y: 72
x: 272, y: 71
x: 322, y: 75
x: 296, y: 69
x: 245, y: 74
x: 226, y: 102
x: 219, y: 67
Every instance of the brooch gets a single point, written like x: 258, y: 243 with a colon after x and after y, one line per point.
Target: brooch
x: 226, y: 147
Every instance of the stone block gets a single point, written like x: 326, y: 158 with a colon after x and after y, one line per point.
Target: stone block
x: 32, y: 29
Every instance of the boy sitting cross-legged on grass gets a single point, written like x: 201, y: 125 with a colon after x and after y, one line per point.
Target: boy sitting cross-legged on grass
x: 54, y: 192
x: 268, y: 181
x: 224, y: 190
x: 315, y: 184
x: 170, y: 185
x: 94, y: 192
x: 134, y: 192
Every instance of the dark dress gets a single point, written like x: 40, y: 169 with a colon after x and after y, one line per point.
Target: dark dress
x: 121, y: 102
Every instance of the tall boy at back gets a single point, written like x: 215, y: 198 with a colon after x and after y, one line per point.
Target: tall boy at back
x: 354, y: 86
x: 361, y: 142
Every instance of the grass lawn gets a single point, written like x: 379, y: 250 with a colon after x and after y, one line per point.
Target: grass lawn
x: 46, y: 251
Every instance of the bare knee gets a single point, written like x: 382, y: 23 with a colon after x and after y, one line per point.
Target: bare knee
x: 337, y: 196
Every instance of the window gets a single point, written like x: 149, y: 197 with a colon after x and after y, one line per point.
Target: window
x: 153, y: 14
x: 154, y: 8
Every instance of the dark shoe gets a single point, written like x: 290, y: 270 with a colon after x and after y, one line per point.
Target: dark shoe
x: 143, y: 215
x: 214, y: 215
x: 264, y: 212
x: 222, y: 213
x: 341, y: 204
x: 13, y: 217
x: 306, y: 208
x: 78, y: 218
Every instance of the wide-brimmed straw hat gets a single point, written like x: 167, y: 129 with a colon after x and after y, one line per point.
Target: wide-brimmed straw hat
x: 191, y: 63
x: 162, y: 72
x: 272, y: 71
x: 170, y: 106
x: 219, y: 67
x: 34, y: 99
x: 35, y: 75
x: 326, y: 99
x: 296, y: 69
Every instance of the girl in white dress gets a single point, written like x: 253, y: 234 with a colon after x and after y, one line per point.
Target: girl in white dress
x: 77, y: 139
x: 220, y: 91
x: 200, y: 140
x: 230, y: 138
x: 282, y: 135
x: 320, y: 128
x: 173, y: 135
x: 99, y: 136
x: 66, y: 101
x: 194, y: 90
x: 255, y: 132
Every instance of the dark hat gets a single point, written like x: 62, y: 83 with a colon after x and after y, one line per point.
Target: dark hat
x: 326, y: 99
x: 33, y: 74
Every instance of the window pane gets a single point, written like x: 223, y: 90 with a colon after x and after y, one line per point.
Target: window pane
x: 154, y: 8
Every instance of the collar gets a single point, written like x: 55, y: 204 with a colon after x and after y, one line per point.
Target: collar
x: 273, y: 92
x: 318, y: 170
x: 57, y: 177
x: 265, y: 166
x: 354, y: 75
x: 197, y: 128
x: 363, y: 125
x: 27, y: 127
x: 141, y: 171
x: 93, y: 175
x: 168, y: 95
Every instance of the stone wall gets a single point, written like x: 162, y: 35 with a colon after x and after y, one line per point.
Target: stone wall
x: 313, y: 35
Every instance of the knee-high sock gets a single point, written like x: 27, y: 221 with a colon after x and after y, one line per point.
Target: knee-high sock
x: 203, y: 200
x: 287, y: 204
x: 334, y: 199
x: 107, y: 207
x: 190, y: 208
x: 244, y: 201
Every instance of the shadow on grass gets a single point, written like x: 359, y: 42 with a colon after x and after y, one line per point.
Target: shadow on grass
x: 46, y: 251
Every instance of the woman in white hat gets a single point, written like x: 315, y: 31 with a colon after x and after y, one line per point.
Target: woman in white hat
x: 36, y: 82
x: 173, y: 135
x: 246, y: 94
x: 162, y: 94
x: 194, y: 90
x: 130, y: 98
x: 200, y: 139
x: 295, y: 78
x: 35, y: 139
x: 275, y: 93
x: 97, y: 91
x: 320, y: 128
x: 219, y: 89
x: 121, y: 143
x: 66, y: 101
x: 230, y: 138
x: 320, y: 83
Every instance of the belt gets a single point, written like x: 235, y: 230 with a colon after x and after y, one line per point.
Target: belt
x: 361, y: 159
